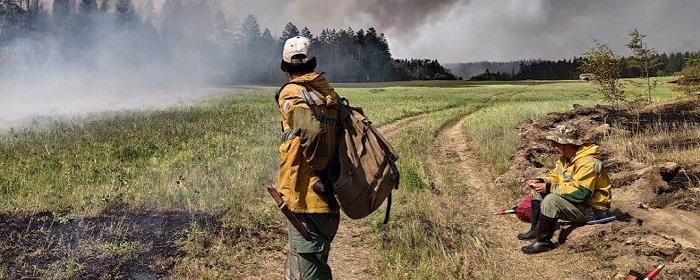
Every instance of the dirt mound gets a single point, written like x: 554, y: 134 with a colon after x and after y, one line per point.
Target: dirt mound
x: 630, y: 247
x: 533, y: 155
x: 663, y: 185
x: 134, y: 246
x: 658, y: 195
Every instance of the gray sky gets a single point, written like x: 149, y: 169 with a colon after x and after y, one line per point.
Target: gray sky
x: 473, y: 30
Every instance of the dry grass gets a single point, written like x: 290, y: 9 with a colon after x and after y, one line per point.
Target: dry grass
x: 661, y: 143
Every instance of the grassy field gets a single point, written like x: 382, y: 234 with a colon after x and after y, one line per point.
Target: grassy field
x: 215, y: 157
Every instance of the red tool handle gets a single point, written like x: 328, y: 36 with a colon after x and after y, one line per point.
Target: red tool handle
x: 652, y: 274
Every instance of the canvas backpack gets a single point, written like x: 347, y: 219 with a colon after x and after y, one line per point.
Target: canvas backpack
x: 366, y: 161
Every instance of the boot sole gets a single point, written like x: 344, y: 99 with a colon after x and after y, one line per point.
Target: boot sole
x: 532, y: 252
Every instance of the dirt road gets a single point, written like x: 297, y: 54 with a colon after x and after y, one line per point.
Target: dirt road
x: 455, y: 166
x: 455, y: 159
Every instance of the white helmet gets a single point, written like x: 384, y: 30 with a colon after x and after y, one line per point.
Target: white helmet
x: 295, y: 46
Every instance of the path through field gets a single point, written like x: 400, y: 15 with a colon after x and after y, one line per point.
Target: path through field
x: 455, y: 159
x: 356, y: 246
x: 454, y: 165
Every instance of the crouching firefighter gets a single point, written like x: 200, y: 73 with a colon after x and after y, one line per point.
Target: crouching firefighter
x: 309, y: 167
x: 577, y: 190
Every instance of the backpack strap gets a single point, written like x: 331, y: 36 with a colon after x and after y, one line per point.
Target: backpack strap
x: 388, y: 209
x: 309, y: 96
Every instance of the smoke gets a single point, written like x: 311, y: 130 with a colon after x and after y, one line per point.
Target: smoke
x: 82, y: 58
x: 400, y: 17
x: 550, y: 29
x: 503, y: 30
x: 73, y: 63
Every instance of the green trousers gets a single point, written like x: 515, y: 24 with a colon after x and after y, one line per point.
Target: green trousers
x: 556, y: 207
x: 308, y: 259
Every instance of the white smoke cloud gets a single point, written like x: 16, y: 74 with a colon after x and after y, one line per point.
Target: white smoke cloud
x: 461, y: 30
x: 42, y: 81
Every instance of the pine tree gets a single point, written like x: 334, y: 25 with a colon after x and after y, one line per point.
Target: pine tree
x: 250, y: 29
x: 105, y: 6
x: 61, y: 11
x: 88, y: 6
x: 125, y: 12
x: 290, y: 30
x: 305, y: 32
x: 267, y: 37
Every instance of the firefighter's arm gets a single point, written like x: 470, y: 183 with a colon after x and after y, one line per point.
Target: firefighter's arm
x: 579, y: 187
x: 289, y: 100
x: 302, y: 122
x: 551, y: 179
x: 299, y: 116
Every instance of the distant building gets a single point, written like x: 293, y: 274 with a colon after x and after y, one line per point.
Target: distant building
x: 586, y: 77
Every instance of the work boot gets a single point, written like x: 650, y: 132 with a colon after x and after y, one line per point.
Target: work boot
x: 532, y: 233
x: 543, y: 243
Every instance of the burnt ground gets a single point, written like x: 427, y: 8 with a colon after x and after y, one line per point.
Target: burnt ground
x: 142, y: 246
x: 660, y: 201
x: 125, y: 245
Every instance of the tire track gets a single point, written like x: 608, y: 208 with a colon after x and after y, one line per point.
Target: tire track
x: 455, y: 161
x: 391, y: 129
x: 356, y: 245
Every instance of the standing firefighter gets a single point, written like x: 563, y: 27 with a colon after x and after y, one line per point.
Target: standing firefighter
x: 577, y: 190
x: 309, y: 165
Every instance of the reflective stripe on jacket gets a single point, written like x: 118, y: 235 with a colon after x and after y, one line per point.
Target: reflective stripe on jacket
x: 301, y: 159
x: 583, y: 180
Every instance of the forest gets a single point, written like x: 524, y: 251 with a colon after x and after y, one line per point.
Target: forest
x: 187, y: 41
x: 569, y: 69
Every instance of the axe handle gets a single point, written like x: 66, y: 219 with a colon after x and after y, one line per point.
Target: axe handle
x: 289, y: 214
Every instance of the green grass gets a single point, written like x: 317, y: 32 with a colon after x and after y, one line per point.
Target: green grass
x: 224, y: 151
x: 422, y: 243
x: 493, y: 129
x: 221, y: 149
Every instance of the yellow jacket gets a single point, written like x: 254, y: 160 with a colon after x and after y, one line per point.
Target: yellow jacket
x: 583, y: 180
x: 300, y: 158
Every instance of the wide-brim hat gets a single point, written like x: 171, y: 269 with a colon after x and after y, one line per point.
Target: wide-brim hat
x: 565, y: 134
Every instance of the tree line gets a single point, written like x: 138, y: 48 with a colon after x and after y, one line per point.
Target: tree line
x: 569, y: 69
x: 187, y: 41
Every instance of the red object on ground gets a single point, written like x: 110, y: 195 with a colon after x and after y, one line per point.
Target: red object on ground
x: 652, y: 274
x: 524, y: 209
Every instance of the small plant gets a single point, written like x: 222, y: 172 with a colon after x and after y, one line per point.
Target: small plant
x: 73, y: 268
x: 645, y: 59
x: 602, y: 62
